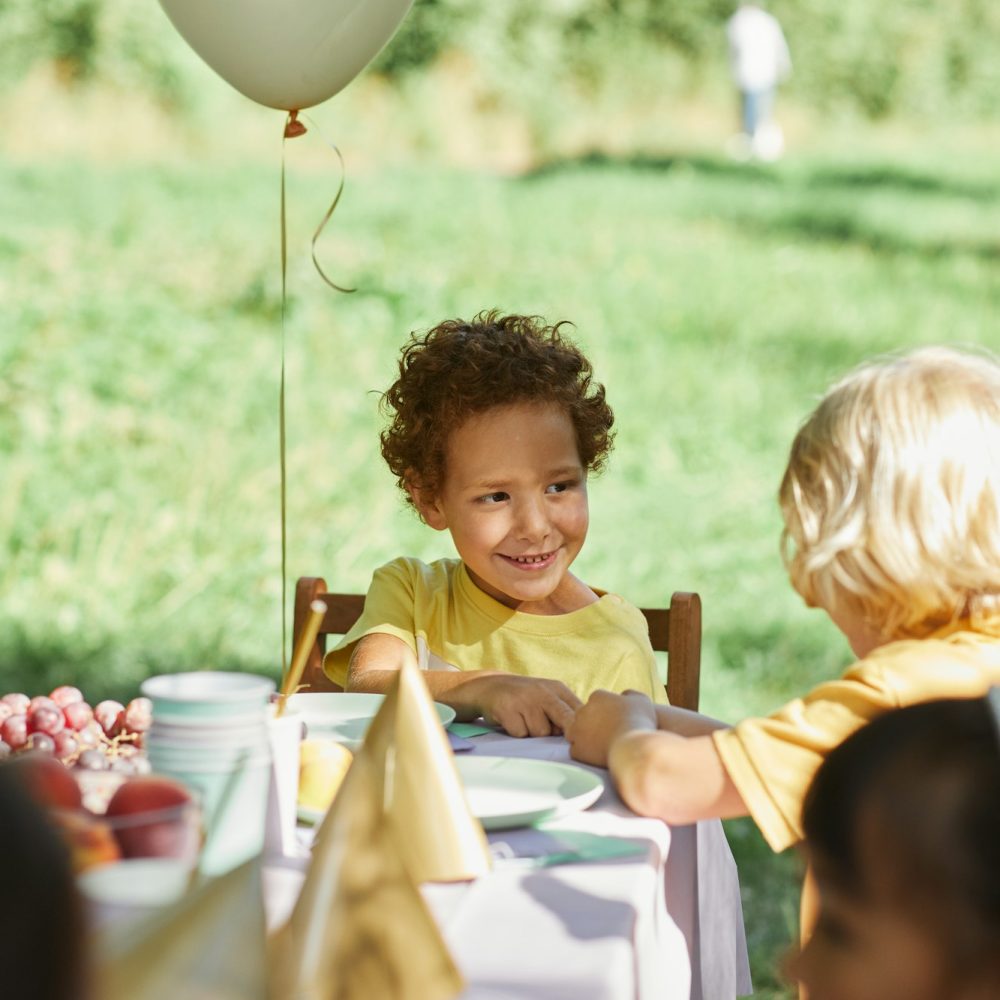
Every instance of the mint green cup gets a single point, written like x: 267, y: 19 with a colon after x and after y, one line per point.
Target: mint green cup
x: 202, y: 694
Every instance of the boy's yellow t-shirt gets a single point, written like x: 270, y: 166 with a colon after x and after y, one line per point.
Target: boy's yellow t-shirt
x: 772, y: 760
x: 450, y: 624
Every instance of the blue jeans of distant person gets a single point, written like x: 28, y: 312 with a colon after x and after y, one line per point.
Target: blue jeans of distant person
x: 757, y: 106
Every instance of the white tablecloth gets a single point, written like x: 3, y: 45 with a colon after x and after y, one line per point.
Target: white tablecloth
x: 664, y: 924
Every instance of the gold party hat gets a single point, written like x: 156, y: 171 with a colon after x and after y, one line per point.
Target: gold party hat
x: 437, y: 837
x: 360, y: 928
x: 209, y: 945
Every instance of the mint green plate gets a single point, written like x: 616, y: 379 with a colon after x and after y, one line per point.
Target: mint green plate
x: 508, y: 792
x: 345, y: 716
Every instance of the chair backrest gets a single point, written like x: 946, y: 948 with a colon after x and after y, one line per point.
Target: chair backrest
x: 675, y: 630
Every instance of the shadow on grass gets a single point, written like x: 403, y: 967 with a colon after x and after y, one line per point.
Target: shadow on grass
x: 846, y: 228
x: 807, y: 206
x: 828, y: 178
x: 898, y: 177
x: 708, y: 166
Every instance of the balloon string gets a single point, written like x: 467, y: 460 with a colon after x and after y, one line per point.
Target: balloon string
x: 292, y: 128
x: 329, y: 212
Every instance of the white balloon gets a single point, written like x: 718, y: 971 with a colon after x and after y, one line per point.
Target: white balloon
x: 287, y: 54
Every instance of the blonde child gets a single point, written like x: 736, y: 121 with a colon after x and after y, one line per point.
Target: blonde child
x: 902, y: 826
x: 495, y: 425
x: 891, y: 504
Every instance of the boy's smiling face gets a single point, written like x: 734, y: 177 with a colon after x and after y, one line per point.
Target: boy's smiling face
x: 514, y: 498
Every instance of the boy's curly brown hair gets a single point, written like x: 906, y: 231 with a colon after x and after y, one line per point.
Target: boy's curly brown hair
x: 461, y: 368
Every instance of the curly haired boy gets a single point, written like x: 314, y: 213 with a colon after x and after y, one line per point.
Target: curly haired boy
x: 495, y: 424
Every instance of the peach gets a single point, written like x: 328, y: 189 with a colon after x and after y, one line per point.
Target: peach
x: 90, y: 839
x: 154, y: 816
x: 47, y: 780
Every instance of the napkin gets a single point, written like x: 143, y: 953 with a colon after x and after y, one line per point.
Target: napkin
x: 465, y: 729
x: 209, y: 944
x: 459, y: 744
x: 360, y: 928
x: 543, y: 848
x: 437, y: 837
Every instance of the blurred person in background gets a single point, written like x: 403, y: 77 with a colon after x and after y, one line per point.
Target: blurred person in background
x: 759, y: 60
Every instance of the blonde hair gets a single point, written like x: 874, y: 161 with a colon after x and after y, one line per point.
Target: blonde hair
x: 891, y: 497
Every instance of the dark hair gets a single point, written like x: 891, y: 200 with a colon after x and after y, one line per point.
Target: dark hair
x: 923, y: 784
x: 42, y: 930
x: 462, y: 368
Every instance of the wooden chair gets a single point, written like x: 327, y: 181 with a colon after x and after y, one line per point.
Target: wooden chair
x: 675, y: 630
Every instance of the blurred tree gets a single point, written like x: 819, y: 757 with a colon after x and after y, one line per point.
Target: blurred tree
x: 914, y: 56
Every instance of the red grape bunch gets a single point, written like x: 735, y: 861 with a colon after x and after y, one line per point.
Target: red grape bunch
x: 107, y: 736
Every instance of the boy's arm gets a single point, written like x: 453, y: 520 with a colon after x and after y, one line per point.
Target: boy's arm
x: 678, y: 778
x: 684, y: 722
x: 522, y: 706
x: 607, y: 716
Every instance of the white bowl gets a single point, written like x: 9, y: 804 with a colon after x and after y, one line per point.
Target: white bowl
x: 345, y: 716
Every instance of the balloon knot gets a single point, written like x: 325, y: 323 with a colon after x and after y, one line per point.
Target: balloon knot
x: 293, y: 127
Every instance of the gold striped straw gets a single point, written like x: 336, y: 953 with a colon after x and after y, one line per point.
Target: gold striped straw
x: 301, y: 653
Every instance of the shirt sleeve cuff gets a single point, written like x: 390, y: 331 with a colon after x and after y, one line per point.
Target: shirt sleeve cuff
x: 773, y: 825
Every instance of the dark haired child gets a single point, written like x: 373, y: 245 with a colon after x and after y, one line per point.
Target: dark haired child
x: 44, y: 949
x: 495, y: 425
x: 902, y: 827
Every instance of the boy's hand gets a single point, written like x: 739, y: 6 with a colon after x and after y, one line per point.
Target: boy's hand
x: 603, y: 719
x: 524, y: 706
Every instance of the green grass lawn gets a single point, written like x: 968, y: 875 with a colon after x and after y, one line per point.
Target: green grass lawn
x: 141, y: 350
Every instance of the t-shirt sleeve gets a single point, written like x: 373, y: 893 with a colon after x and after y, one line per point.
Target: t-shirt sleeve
x: 772, y: 760
x: 388, y: 609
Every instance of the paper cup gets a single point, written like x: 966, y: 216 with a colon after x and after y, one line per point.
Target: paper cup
x: 285, y: 735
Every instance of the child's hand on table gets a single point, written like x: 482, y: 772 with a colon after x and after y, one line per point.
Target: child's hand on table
x: 523, y: 706
x: 603, y: 719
